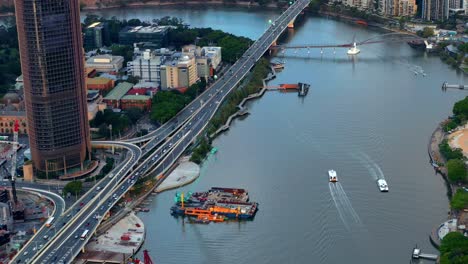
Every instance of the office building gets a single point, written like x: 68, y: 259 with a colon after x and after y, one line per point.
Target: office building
x: 179, y: 72
x: 157, y: 35
x: 96, y: 36
x: 51, y: 48
x: 105, y: 63
x: 147, y: 67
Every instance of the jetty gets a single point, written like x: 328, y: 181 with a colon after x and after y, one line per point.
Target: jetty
x: 446, y: 86
x: 417, y: 254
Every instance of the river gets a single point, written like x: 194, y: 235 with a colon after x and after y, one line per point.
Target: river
x: 367, y: 118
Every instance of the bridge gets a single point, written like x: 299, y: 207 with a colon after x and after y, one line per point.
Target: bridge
x: 160, y: 150
x: 384, y: 38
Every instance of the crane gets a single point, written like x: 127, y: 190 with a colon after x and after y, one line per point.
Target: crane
x: 13, y: 160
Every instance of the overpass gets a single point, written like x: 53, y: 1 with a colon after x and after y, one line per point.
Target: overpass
x: 175, y: 136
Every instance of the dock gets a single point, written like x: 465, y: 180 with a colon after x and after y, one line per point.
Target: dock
x: 446, y: 86
x: 417, y: 254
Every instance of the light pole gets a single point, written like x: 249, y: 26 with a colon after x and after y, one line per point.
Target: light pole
x: 110, y: 128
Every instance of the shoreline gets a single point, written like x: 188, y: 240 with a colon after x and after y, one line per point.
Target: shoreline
x: 169, y: 4
x: 215, y: 3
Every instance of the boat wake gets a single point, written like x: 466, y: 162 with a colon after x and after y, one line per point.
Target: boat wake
x: 343, y: 205
x: 373, y: 168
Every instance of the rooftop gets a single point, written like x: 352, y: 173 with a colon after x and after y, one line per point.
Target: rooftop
x: 98, y: 80
x: 119, y: 91
x: 95, y: 24
x: 12, y: 113
x: 145, y: 30
x: 136, y: 97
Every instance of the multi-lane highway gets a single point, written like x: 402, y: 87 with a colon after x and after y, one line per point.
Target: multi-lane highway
x: 61, y: 218
x: 183, y: 130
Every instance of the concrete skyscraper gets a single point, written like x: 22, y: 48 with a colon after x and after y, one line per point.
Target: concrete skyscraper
x: 50, y: 41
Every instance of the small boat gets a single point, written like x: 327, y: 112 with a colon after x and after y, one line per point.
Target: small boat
x: 332, y: 177
x: 354, y: 50
x: 382, y: 185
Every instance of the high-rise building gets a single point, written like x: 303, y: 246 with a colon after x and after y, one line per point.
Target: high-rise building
x: 52, y: 62
x: 96, y: 35
x: 407, y: 8
x: 435, y: 9
x: 455, y: 4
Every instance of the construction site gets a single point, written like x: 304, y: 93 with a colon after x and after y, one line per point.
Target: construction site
x: 21, y: 213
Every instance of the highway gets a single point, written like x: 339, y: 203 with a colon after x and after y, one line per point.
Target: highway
x: 183, y: 129
x: 37, y: 243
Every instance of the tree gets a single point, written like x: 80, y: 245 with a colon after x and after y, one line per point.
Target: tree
x: 459, y: 200
x: 456, y: 170
x: 427, y: 32
x: 454, y: 249
x: 134, y: 114
x: 460, y: 109
x: 73, y: 187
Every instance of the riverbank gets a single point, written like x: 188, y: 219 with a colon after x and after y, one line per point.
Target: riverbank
x: 185, y: 3
x: 216, y: 3
x: 125, y: 237
x: 186, y: 172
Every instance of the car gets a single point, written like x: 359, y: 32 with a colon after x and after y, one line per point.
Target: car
x: 40, y: 246
x: 68, y: 215
x: 46, y: 237
x: 98, y: 188
x: 34, y: 248
x: 25, y: 253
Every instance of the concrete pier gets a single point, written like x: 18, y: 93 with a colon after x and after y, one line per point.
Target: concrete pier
x: 446, y: 86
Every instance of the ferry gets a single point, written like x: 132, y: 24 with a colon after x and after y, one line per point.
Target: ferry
x: 332, y: 177
x: 354, y: 50
x: 382, y: 185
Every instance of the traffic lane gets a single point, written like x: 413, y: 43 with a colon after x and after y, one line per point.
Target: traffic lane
x: 35, y: 242
x: 83, y: 215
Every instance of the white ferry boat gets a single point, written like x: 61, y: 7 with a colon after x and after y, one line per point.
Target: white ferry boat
x: 332, y: 177
x: 382, y: 184
x: 354, y: 50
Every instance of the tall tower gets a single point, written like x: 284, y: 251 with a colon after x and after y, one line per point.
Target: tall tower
x: 49, y: 33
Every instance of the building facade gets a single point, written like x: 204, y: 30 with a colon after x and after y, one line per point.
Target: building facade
x: 406, y: 8
x: 96, y: 36
x: 51, y: 49
x: 7, y: 122
x: 180, y: 72
x: 105, y: 63
x: 146, y: 67
x: 435, y: 10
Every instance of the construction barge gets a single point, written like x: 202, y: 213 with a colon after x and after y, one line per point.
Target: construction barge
x: 215, y: 205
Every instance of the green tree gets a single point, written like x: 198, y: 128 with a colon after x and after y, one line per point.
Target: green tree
x: 134, y: 114
x: 454, y: 249
x: 427, y: 32
x: 459, y: 200
x: 448, y: 153
x: 73, y: 187
x: 456, y: 170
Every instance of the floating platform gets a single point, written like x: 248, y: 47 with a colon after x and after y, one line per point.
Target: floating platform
x: 214, y: 204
